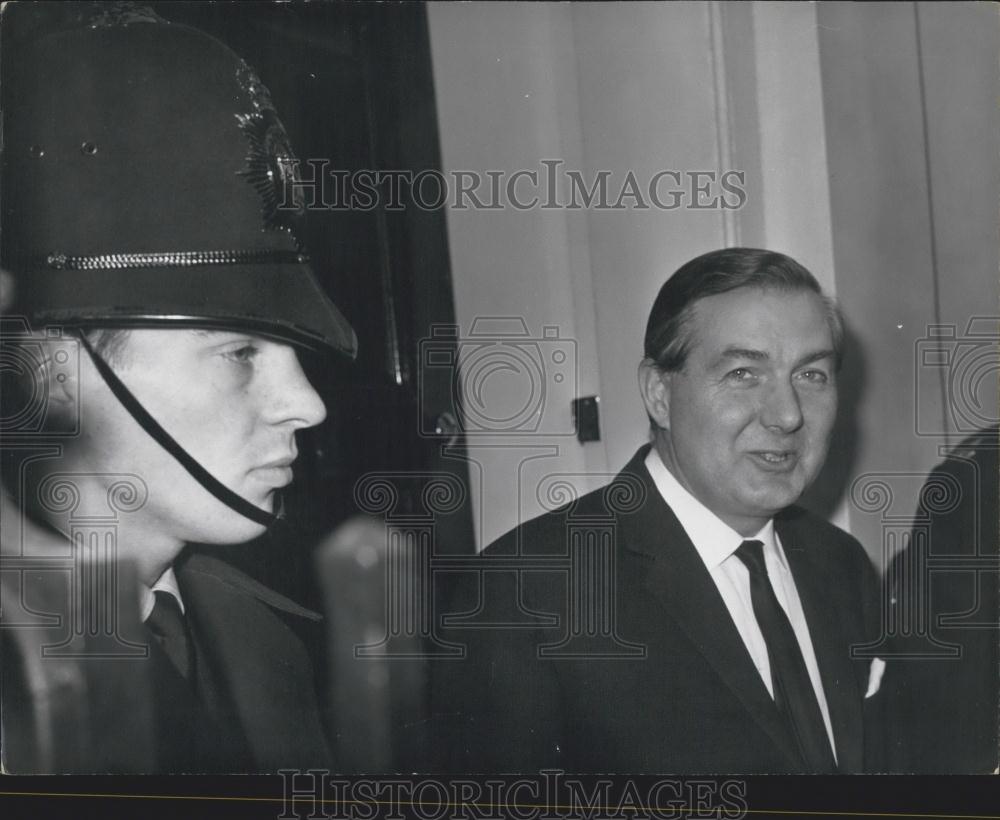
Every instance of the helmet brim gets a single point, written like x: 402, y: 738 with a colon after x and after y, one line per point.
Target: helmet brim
x: 282, y: 301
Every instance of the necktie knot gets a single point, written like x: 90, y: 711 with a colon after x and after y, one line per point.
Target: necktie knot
x: 751, y: 553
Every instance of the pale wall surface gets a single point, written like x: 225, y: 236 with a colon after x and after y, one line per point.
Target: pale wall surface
x: 910, y: 94
x: 822, y: 106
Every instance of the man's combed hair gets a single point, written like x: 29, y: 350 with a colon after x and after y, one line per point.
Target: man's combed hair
x: 668, y: 339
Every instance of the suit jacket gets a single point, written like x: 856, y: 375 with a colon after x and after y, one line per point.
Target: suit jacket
x: 254, y: 708
x: 942, y: 711
x: 655, y: 676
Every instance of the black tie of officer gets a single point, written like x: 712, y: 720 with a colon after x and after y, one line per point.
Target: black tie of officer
x: 166, y: 625
x: 793, y: 691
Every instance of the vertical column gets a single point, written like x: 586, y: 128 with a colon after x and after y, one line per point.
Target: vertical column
x: 592, y: 593
x: 96, y: 593
x: 906, y: 630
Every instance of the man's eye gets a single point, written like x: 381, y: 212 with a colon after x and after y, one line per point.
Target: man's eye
x: 814, y: 376
x: 740, y: 375
x: 243, y: 354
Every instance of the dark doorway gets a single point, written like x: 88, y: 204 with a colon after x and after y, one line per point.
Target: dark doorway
x: 354, y: 87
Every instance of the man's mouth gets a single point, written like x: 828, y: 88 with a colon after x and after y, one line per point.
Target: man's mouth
x: 775, y: 460
x: 276, y: 476
x: 277, y: 473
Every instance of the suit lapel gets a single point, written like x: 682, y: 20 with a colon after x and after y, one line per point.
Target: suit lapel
x: 831, y: 646
x: 679, y: 581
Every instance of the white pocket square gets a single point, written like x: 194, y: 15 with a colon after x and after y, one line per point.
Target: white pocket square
x: 875, y: 673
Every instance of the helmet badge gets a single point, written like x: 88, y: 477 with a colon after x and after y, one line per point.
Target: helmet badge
x: 271, y: 166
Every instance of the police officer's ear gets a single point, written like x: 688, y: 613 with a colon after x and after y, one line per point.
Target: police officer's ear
x: 654, y: 387
x: 40, y: 382
x: 38, y: 366
x: 58, y: 375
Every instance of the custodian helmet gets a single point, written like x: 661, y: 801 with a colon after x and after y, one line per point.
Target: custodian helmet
x: 148, y: 181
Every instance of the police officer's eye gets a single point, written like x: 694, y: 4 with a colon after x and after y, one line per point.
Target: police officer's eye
x: 243, y: 354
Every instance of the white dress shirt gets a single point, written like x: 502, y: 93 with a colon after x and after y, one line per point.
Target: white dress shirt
x: 716, y: 543
x: 167, y: 582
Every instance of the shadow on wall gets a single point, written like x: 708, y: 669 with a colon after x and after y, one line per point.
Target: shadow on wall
x: 833, y: 481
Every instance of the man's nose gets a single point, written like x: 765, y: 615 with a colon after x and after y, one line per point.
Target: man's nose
x: 782, y: 408
x: 292, y: 399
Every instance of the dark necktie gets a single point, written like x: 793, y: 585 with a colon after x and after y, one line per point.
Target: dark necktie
x: 793, y: 691
x: 166, y: 625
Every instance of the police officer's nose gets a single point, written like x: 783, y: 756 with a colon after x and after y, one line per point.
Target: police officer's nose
x: 291, y: 398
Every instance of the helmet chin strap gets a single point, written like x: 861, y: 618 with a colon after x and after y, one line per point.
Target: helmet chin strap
x: 168, y: 443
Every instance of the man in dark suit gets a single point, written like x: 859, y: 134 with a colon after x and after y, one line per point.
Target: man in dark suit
x: 707, y: 623
x: 941, y: 708
x: 149, y: 220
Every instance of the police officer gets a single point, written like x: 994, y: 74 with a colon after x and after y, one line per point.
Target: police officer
x: 150, y: 221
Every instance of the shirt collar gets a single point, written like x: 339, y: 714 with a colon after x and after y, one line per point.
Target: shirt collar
x: 167, y: 582
x: 714, y: 540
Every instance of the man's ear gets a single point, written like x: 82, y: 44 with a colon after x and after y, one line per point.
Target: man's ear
x: 58, y: 372
x: 654, y: 387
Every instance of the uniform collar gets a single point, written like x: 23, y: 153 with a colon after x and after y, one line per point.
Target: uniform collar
x: 167, y: 582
